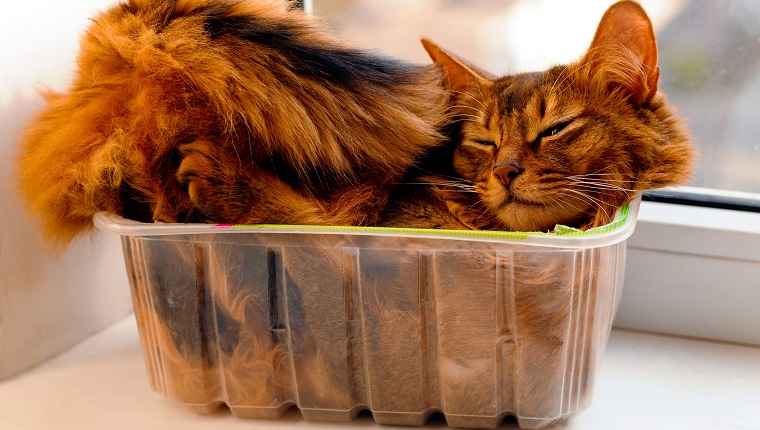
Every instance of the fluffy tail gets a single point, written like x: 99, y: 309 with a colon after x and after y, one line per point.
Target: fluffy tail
x: 254, y: 78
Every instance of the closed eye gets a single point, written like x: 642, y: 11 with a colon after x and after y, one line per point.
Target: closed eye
x: 486, y: 142
x: 553, y: 130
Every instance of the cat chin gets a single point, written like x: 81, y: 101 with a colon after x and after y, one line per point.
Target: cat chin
x: 518, y: 217
x: 532, y: 216
x: 515, y: 200
x: 498, y: 197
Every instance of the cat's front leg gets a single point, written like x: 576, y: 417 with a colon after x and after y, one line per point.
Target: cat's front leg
x: 227, y: 189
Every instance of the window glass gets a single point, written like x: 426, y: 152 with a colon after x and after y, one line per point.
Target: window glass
x: 709, y: 57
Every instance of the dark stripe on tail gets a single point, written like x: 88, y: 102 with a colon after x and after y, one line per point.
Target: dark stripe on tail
x: 309, y: 59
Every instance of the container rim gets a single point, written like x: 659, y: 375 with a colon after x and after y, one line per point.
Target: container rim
x: 617, y: 231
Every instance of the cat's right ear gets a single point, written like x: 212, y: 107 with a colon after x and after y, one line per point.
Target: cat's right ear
x: 624, y: 51
x: 460, y: 74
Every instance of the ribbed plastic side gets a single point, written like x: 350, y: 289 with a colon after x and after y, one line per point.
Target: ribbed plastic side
x: 400, y: 327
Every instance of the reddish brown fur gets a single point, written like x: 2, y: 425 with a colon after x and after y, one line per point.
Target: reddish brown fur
x: 248, y: 78
x: 469, y: 328
x: 447, y: 347
x: 438, y: 349
x: 576, y: 141
x: 580, y: 140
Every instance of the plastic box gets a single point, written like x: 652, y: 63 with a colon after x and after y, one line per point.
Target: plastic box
x: 402, y: 323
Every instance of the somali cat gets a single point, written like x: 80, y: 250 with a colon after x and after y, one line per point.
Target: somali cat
x: 569, y: 145
x: 405, y: 326
x: 263, y: 85
x: 309, y: 320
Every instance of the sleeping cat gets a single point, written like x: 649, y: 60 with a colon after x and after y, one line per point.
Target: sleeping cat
x: 568, y: 145
x: 190, y: 110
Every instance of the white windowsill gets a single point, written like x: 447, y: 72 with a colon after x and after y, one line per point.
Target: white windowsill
x: 687, y: 227
x: 646, y: 382
x: 693, y: 272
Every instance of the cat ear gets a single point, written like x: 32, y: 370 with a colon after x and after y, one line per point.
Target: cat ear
x: 624, y: 51
x: 460, y: 75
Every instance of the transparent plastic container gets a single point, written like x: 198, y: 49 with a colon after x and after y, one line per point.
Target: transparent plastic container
x: 403, y: 323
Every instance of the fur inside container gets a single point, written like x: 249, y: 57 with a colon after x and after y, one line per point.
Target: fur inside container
x: 404, y: 323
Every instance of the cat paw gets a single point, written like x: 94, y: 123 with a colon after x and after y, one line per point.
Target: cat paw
x: 211, y: 177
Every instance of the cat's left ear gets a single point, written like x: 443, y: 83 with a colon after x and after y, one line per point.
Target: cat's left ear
x: 460, y: 74
x: 624, y: 51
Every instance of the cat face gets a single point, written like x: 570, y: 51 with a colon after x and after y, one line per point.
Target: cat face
x: 523, y: 145
x: 573, y: 143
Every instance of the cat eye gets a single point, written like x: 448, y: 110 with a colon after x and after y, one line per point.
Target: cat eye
x: 553, y: 130
x: 486, y: 142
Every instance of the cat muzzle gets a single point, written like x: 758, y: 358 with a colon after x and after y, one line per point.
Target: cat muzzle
x: 507, y: 171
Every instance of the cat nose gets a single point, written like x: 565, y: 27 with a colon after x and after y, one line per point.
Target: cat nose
x: 507, y: 171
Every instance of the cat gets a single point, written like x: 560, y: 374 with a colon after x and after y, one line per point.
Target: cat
x: 524, y: 152
x: 569, y: 145
x: 270, y: 87
x: 162, y: 141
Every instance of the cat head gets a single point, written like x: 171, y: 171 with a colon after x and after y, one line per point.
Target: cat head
x: 573, y: 143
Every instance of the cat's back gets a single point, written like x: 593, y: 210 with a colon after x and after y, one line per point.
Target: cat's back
x: 278, y: 75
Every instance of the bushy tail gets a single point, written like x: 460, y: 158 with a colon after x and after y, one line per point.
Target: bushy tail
x: 250, y: 76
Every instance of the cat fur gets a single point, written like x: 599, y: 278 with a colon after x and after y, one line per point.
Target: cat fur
x: 268, y: 86
x: 569, y: 145
x: 449, y: 348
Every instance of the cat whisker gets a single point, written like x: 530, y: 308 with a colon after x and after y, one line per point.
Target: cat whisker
x: 602, y: 185
x: 607, y: 167
x: 592, y: 185
x: 568, y: 75
x: 606, y: 177
x: 556, y: 202
x: 456, y: 183
x: 458, y: 116
x: 453, y: 178
x: 600, y: 180
x: 603, y: 182
x: 566, y: 199
x: 585, y: 197
x: 609, y: 192
x: 483, y: 210
x: 557, y: 80
x: 463, y: 117
x: 597, y: 198
x: 593, y: 174
x: 465, y: 93
x: 461, y: 187
x: 468, y: 107
x: 453, y: 113
x: 560, y: 202
x: 466, y: 110
x: 597, y: 201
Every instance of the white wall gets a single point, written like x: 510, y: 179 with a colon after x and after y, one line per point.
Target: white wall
x: 47, y: 302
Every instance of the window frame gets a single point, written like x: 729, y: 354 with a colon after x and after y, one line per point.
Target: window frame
x: 706, y: 197
x: 693, y: 271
